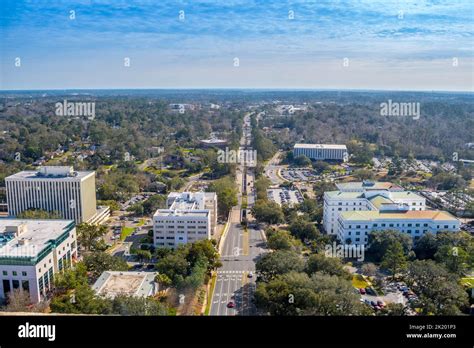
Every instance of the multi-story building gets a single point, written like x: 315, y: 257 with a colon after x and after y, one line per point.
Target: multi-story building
x: 55, y: 188
x: 322, y: 151
x: 189, y: 217
x: 365, y: 196
x: 354, y: 227
x: 32, y: 251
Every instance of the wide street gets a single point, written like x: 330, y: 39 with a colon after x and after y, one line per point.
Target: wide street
x: 239, y: 251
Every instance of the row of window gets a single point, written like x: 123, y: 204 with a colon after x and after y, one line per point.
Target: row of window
x: 182, y: 222
x: 15, y: 273
x: 398, y: 225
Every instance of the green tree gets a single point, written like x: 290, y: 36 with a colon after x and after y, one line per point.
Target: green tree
x: 454, y: 258
x: 380, y: 241
x: 326, y: 265
x: 137, y: 306
x: 39, y: 214
x: 90, y: 236
x: 302, y: 161
x: 394, y: 259
x: 163, y: 280
x: 143, y: 255
x: 99, y: 262
x: 265, y: 211
x: 304, y: 230
x: 226, y: 194
x: 280, y: 240
x: 278, y: 262
x: 81, y: 300
x: 439, y: 291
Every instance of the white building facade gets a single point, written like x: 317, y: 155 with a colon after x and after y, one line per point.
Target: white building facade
x: 189, y: 217
x: 322, y: 151
x: 53, y: 188
x: 373, y: 197
x: 354, y: 227
x: 32, y: 251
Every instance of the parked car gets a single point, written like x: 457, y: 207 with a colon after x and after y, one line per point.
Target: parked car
x: 380, y: 303
x: 362, y: 291
x: 370, y: 291
x: 230, y: 304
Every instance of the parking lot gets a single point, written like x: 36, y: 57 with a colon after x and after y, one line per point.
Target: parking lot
x: 310, y: 175
x: 285, y: 196
x: 395, y: 292
x: 298, y: 174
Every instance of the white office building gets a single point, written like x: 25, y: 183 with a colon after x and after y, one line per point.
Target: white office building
x: 365, y: 197
x: 189, y: 217
x: 322, y: 151
x: 55, y: 189
x: 32, y: 251
x: 354, y: 227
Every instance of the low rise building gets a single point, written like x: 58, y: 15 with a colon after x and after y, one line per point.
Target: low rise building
x: 189, y: 217
x: 322, y: 151
x: 354, y: 227
x: 137, y: 284
x: 364, y: 196
x: 32, y: 251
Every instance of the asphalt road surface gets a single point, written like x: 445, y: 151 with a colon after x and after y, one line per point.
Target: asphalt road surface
x: 240, y: 251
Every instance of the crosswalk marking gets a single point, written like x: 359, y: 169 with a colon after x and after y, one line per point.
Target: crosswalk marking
x: 233, y: 272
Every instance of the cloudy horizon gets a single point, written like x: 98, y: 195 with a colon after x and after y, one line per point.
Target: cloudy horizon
x: 370, y: 45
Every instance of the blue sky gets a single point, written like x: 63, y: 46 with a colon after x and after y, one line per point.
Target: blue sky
x: 393, y: 44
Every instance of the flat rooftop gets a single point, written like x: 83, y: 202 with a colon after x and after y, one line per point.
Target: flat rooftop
x: 368, y: 185
x: 139, y: 284
x: 171, y: 212
x: 54, y: 175
x: 38, y: 235
x: 320, y: 146
x: 437, y: 215
x: 394, y: 195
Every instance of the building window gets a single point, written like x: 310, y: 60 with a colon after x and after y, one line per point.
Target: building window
x: 14, y: 273
x: 23, y: 274
x: 6, y: 286
x: 15, y: 283
x: 5, y: 273
x: 25, y: 284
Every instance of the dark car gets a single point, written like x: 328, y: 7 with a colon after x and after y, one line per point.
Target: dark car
x: 231, y: 304
x: 373, y: 303
x: 362, y: 291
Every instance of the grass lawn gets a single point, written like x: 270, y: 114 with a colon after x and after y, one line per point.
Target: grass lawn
x: 468, y: 282
x: 358, y: 281
x: 126, y: 231
x: 211, y: 292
